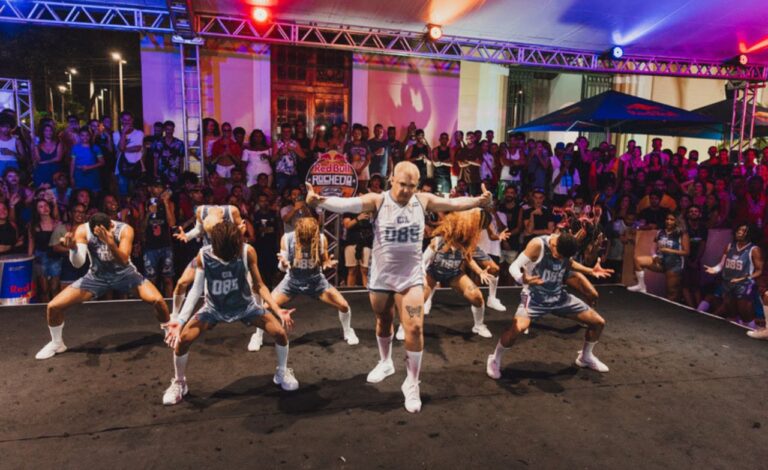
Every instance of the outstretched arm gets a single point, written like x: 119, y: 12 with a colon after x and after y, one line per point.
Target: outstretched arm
x: 260, y: 288
x: 526, y: 258
x: 355, y: 205
x: 439, y: 204
x: 598, y: 272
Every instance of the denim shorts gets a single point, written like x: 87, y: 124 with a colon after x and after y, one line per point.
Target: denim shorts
x: 158, y: 259
x: 46, y: 265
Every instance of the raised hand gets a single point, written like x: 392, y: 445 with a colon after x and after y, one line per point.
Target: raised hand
x: 330, y: 263
x: 180, y: 235
x: 486, y: 198
x: 104, y: 234
x: 68, y: 240
x: 313, y: 199
x: 504, y: 235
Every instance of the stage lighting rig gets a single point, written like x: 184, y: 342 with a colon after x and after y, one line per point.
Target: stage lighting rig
x: 741, y: 59
x: 260, y: 14
x: 434, y: 32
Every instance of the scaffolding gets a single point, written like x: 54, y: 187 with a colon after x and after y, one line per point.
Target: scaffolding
x: 23, y: 104
x: 742, y: 129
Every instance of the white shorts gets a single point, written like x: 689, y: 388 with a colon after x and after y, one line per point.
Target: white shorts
x: 383, y: 278
x: 349, y: 257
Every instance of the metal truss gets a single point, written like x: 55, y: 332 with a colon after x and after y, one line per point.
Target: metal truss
x: 742, y: 127
x: 331, y: 224
x: 22, y: 101
x: 459, y: 48
x: 87, y: 15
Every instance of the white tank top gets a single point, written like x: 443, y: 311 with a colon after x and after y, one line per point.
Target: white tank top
x: 398, y: 235
x: 9, y: 144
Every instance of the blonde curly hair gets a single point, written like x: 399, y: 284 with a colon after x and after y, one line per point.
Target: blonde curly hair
x: 307, y: 233
x: 461, y: 231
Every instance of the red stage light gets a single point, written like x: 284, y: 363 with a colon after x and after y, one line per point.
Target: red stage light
x: 260, y: 14
x: 743, y: 59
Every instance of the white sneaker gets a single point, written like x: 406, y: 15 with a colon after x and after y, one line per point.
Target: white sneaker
x: 286, y: 380
x: 527, y: 330
x: 495, y: 303
x: 493, y: 368
x: 382, y: 370
x: 400, y: 335
x: 257, y: 339
x: 175, y: 393
x: 351, y: 338
x: 482, y: 330
x: 412, y: 398
x: 758, y: 334
x: 591, y: 363
x: 428, y: 306
x: 637, y: 288
x: 50, y: 350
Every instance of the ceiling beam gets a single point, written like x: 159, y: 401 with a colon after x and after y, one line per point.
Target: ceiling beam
x: 407, y: 43
x: 86, y: 15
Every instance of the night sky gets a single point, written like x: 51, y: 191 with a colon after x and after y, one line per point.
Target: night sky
x: 43, y: 54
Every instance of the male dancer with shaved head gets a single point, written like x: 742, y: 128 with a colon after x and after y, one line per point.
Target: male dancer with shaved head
x: 396, y: 279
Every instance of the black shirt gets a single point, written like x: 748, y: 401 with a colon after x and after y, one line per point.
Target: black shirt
x: 540, y: 221
x: 654, y: 216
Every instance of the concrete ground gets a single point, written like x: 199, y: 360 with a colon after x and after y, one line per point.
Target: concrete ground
x: 684, y: 391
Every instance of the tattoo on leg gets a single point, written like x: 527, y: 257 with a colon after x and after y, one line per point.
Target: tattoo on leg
x: 413, y: 311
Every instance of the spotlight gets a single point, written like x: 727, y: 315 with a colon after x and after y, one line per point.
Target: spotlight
x: 260, y: 14
x: 434, y: 32
x: 617, y: 52
x: 741, y: 59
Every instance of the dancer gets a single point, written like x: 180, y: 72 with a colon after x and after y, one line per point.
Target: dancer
x: 217, y: 214
x: 303, y: 257
x: 108, y: 244
x: 740, y: 265
x: 491, y: 224
x: 396, y: 278
x: 221, y: 271
x: 672, y: 246
x: 542, y: 268
x: 454, y: 239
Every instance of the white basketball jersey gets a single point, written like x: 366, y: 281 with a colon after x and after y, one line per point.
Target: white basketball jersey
x: 398, y: 233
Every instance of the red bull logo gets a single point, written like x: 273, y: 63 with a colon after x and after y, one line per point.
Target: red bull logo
x: 650, y: 110
x: 332, y: 175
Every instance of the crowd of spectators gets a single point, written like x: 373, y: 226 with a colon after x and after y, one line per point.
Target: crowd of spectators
x: 52, y: 181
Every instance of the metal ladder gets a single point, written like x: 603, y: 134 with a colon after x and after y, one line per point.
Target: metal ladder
x: 191, y: 106
x: 743, y: 117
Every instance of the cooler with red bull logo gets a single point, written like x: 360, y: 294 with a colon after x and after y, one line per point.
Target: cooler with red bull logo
x: 15, y: 279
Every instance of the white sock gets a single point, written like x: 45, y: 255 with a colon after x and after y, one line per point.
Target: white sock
x: 385, y: 347
x: 640, y: 278
x: 180, y: 366
x: 478, y: 313
x: 346, y: 319
x: 586, y: 351
x: 178, y: 301
x: 282, y: 357
x: 413, y: 365
x: 498, y: 354
x: 56, y: 332
x: 431, y: 294
x: 704, y: 306
x: 492, y: 287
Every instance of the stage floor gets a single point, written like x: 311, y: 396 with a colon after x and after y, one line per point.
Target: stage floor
x: 684, y: 391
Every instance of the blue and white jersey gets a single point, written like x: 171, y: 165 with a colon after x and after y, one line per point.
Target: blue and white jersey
x: 674, y: 241
x: 303, y: 267
x: 446, y: 264
x: 398, y: 232
x: 226, y: 283
x: 553, y: 272
x: 738, y: 262
x: 204, y: 210
x: 103, y: 262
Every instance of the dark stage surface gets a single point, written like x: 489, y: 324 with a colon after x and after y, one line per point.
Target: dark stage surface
x: 684, y: 391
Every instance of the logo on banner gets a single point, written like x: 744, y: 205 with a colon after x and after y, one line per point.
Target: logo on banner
x: 332, y: 175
